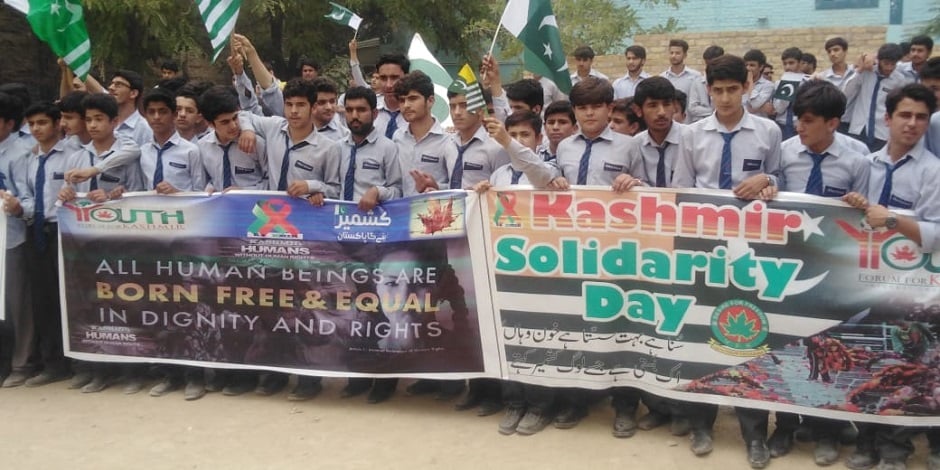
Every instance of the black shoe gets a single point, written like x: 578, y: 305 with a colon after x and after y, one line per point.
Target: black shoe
x: 355, y: 387
x: 652, y: 420
x: 165, y: 386
x: 680, y: 426
x: 758, y: 455
x: 382, y: 390
x: 780, y: 443
x: 307, y: 388
x: 624, y: 423
x: 99, y: 381
x: 423, y: 387
x: 702, y: 443
x: 472, y: 399
x: 195, y: 389
x: 510, y: 420
x: 271, y: 384
x: 215, y: 380
x: 826, y: 451
x: 489, y: 407
x: 450, y: 389
x: 570, y: 417
x: 533, y: 422
x: 238, y: 387
x: 46, y: 377
x: 79, y: 380
x: 861, y: 460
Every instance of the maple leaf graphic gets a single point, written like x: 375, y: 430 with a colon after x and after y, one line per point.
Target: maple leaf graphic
x: 738, y: 326
x: 438, y: 217
x: 904, y: 253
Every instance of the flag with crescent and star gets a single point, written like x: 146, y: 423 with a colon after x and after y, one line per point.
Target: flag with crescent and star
x: 787, y: 86
x: 467, y: 84
x: 533, y: 22
x: 61, y: 25
x: 344, y: 16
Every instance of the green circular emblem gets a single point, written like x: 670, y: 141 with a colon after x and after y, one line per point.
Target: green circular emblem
x: 739, y: 324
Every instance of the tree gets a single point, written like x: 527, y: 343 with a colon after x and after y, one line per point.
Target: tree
x: 933, y: 26
x: 609, y: 26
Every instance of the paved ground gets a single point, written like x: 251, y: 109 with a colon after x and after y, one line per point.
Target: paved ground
x: 52, y: 427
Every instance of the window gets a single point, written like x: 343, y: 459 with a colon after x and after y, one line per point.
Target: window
x: 844, y: 4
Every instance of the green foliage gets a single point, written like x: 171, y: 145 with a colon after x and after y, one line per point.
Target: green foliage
x: 933, y: 26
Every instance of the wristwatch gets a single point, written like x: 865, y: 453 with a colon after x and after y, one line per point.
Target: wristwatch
x: 891, y: 222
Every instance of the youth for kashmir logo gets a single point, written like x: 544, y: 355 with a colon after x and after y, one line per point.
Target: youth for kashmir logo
x: 271, y: 221
x: 740, y: 329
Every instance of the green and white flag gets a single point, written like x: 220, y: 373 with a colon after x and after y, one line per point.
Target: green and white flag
x: 219, y: 16
x: 787, y: 86
x: 61, y: 25
x: 533, y: 22
x: 344, y: 16
x: 422, y: 59
x: 467, y: 84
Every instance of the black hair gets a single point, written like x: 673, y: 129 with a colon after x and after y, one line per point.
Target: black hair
x: 361, y: 92
x: 728, y: 67
x: 160, y: 95
x: 560, y: 107
x: 905, y: 47
x: 415, y: 81
x: 712, y: 51
x: 171, y: 65
x: 11, y: 109
x: 820, y: 98
x: 193, y: 89
x: 300, y: 88
x: 172, y: 84
x: 133, y: 78
x: 591, y: 90
x: 43, y: 107
x: 931, y: 69
x: 216, y: 101
x: 679, y: 43
x: 836, y: 41
x: 755, y: 55
x: 101, y: 102
x: 682, y: 99
x: 18, y: 91
x: 654, y: 88
x: 527, y: 90
x: 72, y: 102
x: 914, y: 91
x: 525, y: 118
x: 638, y: 51
x: 584, y: 52
x: 890, y: 51
x: 923, y: 40
x: 808, y: 58
x: 397, y: 59
x: 790, y: 53
x: 308, y: 62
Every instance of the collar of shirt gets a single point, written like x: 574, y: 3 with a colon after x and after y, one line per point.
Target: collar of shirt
x: 829, y: 73
x: 607, y: 134
x: 642, y: 76
x: 10, y: 143
x: 712, y: 124
x: 685, y: 71
x: 835, y: 149
x: 132, y: 120
x: 175, y: 138
x: 59, y: 147
x: 763, y: 81
x: 312, y: 138
x: 371, y: 138
x: 381, y: 105
x: 435, y: 129
x: 673, y: 137
x: 90, y: 146
x: 480, y: 134
x: 919, y: 151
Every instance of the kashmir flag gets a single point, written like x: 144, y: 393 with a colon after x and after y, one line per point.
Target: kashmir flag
x: 533, y: 22
x: 344, y: 16
x: 219, y: 16
x: 422, y: 59
x: 467, y: 84
x: 61, y: 25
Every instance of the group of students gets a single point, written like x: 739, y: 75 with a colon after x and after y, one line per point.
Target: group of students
x: 382, y: 142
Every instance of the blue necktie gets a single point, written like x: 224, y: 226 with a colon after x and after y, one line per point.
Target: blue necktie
x: 392, y: 123
x: 661, y: 166
x: 585, y: 160
x: 285, y: 163
x: 815, y: 183
x: 871, y: 110
x: 93, y: 182
x: 39, y: 209
x: 3, y: 186
x: 456, y: 176
x: 515, y: 176
x: 226, y: 166
x: 724, y: 176
x: 158, y: 171
x: 885, y: 198
x: 349, y: 182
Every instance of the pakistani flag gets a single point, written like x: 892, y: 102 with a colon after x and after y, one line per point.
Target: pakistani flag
x: 61, y: 25
x: 533, y: 22
x: 422, y: 59
x: 467, y: 84
x: 787, y: 86
x: 344, y: 16
x: 219, y: 16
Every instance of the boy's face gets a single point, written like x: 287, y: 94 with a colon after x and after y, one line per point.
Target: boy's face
x: 72, y: 123
x: 919, y: 54
x: 558, y: 126
x: 414, y: 106
x: 359, y: 116
x: 807, y: 67
x: 298, y: 111
x: 620, y: 124
x: 167, y: 73
x: 463, y: 120
x: 815, y: 131
x: 160, y: 117
x: 100, y: 126
x: 121, y: 90
x: 634, y: 63
x: 43, y: 128
x: 592, y: 118
x: 909, y: 122
x: 933, y: 84
x: 226, y: 127
x: 307, y: 72
x: 516, y: 106
x: 525, y: 135
x: 836, y: 54
x: 187, y: 114
x: 325, y: 108
x: 753, y: 69
x: 676, y: 55
x: 726, y: 96
x: 388, y: 76
x: 657, y: 114
x: 791, y: 65
x: 584, y: 65
x: 886, y: 66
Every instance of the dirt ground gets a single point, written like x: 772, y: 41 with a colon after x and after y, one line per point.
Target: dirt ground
x: 52, y: 427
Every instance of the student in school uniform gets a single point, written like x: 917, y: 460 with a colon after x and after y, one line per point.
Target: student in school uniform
x: 560, y: 123
x: 873, y: 79
x: 584, y: 62
x: 679, y: 74
x: 783, y: 109
x: 624, y: 119
x: 700, y: 103
x: 758, y: 101
x: 837, y: 49
x: 635, y: 59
